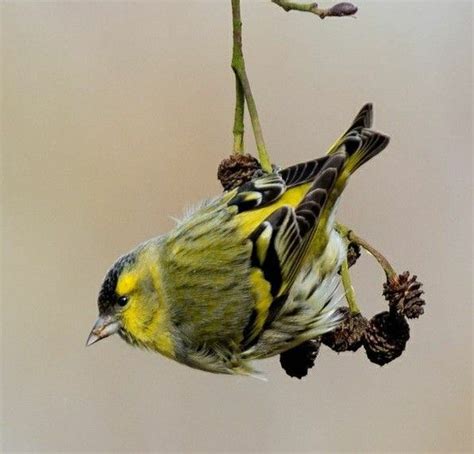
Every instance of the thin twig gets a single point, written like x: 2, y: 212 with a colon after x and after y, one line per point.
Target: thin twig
x: 238, y: 65
x: 238, y: 130
x: 348, y: 289
x: 338, y: 10
x: 353, y: 238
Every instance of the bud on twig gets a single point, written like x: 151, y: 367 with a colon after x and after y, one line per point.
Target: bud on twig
x: 342, y: 9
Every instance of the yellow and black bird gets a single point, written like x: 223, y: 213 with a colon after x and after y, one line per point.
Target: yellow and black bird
x: 247, y: 275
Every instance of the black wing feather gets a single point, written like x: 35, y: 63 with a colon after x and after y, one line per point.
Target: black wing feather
x: 291, y: 229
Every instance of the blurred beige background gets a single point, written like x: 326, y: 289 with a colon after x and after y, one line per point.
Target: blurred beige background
x: 115, y: 116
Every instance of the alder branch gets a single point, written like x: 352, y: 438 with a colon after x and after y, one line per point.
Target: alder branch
x: 338, y: 10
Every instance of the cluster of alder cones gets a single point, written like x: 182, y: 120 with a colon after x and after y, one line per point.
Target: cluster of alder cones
x: 383, y: 337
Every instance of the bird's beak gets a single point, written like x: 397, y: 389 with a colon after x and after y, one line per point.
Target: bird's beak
x: 104, y: 326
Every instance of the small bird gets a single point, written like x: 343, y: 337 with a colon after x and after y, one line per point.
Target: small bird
x: 245, y: 276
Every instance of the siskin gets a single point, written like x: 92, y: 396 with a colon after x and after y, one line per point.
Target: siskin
x: 247, y: 275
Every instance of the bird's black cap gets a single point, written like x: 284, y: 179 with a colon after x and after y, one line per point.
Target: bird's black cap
x: 107, y: 296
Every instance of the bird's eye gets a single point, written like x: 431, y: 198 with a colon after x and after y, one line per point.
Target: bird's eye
x: 122, y: 301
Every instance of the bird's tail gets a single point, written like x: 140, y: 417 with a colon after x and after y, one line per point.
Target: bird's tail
x: 359, y: 142
x: 354, y: 148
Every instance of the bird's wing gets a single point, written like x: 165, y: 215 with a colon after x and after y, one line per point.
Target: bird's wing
x: 280, y: 243
x: 282, y: 228
x: 260, y: 197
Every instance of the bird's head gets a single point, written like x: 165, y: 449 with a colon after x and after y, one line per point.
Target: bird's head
x: 126, y: 299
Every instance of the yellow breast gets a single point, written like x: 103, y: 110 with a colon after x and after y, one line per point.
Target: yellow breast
x: 145, y: 318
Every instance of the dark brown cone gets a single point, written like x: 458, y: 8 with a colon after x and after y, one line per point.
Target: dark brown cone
x: 349, y: 334
x: 237, y: 169
x: 353, y: 253
x: 403, y: 294
x: 386, y: 337
x: 298, y: 360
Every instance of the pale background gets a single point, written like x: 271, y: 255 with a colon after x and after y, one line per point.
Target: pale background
x: 115, y: 116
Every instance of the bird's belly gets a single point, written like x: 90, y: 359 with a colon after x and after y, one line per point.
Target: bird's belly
x: 310, y: 309
x: 331, y: 258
